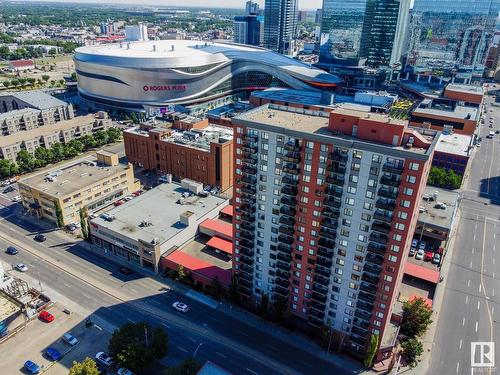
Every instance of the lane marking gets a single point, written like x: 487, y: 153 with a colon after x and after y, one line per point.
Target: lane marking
x: 472, y: 250
x: 182, y: 349
x: 130, y: 320
x: 460, y: 345
x: 190, y: 338
x: 477, y: 325
x: 463, y: 322
x: 252, y: 372
x: 479, y: 288
x: 458, y: 366
x: 466, y: 299
x: 470, y: 266
x: 493, y: 260
x: 222, y: 355
x: 166, y: 325
x: 478, y: 304
x: 468, y: 283
x: 493, y: 292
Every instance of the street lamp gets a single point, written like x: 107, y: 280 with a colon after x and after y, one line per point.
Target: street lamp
x: 196, y: 351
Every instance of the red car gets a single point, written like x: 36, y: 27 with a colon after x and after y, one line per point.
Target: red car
x: 428, y: 256
x: 46, y: 316
x: 137, y: 193
x: 119, y: 203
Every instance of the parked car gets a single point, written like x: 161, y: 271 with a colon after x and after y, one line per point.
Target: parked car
x: 31, y: 367
x: 414, y: 243
x: 39, y: 238
x: 420, y: 254
x: 104, y: 359
x: 128, y: 198
x: 46, y: 316
x: 71, y: 227
x: 70, y: 339
x: 53, y: 354
x: 119, y: 203
x: 137, y: 193
x: 9, y: 189
x: 436, y: 259
x: 422, y: 245
x: 412, y: 252
x: 428, y: 256
x: 16, y: 199
x: 179, y: 306
x: 11, y: 250
x: 431, y: 247
x: 21, y: 267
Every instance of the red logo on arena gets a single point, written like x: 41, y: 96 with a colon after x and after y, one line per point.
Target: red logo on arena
x: 165, y: 88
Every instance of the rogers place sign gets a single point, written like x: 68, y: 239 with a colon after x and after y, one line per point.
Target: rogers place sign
x: 164, y: 88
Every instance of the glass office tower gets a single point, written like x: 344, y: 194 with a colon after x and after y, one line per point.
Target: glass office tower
x: 451, y: 37
x: 280, y: 25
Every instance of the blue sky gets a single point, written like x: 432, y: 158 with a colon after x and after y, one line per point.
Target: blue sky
x: 303, y: 4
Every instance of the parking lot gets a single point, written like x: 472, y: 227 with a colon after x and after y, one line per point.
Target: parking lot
x: 38, y: 336
x: 430, y: 247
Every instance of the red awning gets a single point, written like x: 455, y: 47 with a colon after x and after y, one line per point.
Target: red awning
x: 228, y: 210
x: 200, y: 266
x: 218, y: 227
x: 221, y: 244
x: 421, y: 272
x: 427, y: 301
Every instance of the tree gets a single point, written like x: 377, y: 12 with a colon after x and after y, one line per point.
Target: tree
x: 216, y: 289
x: 189, y: 366
x: 73, y: 76
x: 14, y: 82
x: 6, y: 83
x: 57, y: 152
x: 86, y: 367
x: 52, y: 82
x: 181, y: 272
x: 31, y: 81
x: 234, y: 294
x: 62, y: 82
x: 59, y: 216
x: 88, y: 142
x: 264, y: 306
x: 372, y: 349
x: 45, y: 77
x: 83, y: 223
x: 137, y: 345
x: 101, y: 137
x: 416, y: 318
x: 77, y: 145
x: 7, y: 168
x: 43, y: 155
x: 280, y: 306
x: 442, y: 178
x: 26, y: 161
x: 113, y: 134
x: 412, y: 349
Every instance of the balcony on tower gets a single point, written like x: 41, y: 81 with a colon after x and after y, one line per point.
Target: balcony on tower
x: 368, y: 288
x: 246, y: 252
x: 334, y: 192
x: 248, y: 189
x: 331, y: 213
x: 249, y: 139
x: 246, y: 243
x: 288, y: 220
x: 248, y: 227
x: 365, y: 307
x: 328, y: 233
x: 325, y: 281
x: 247, y: 235
x: 317, y: 315
x: 393, y: 168
x: 329, y: 223
x: 252, y: 180
x: 246, y: 260
x: 247, y: 217
x: 336, y: 168
x: 374, y: 258
x: 245, y: 283
x: 293, y: 146
x: 317, y: 305
x: 248, y: 158
x: 285, y: 248
x: 373, y: 269
x: 335, y: 181
x: 289, y: 201
x: 324, y: 262
x: 284, y: 283
x: 287, y: 258
x: 325, y: 252
x: 291, y: 169
x: 323, y: 271
x: 370, y: 278
x: 288, y: 210
x: 386, y: 204
x: 289, y: 190
x: 283, y: 238
x: 290, y: 180
x: 283, y: 292
x: 390, y: 181
x: 285, y: 229
x: 378, y: 238
x: 370, y: 298
x: 381, y: 227
x: 326, y: 243
x: 332, y: 203
x: 359, y: 331
x: 245, y: 291
x: 252, y: 171
x: 338, y: 156
x: 383, y: 216
x: 283, y: 266
x: 391, y: 193
x: 249, y: 149
x: 283, y: 274
x: 292, y: 157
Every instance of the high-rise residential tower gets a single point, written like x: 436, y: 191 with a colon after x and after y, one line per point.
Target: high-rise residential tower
x: 325, y: 207
x: 249, y: 30
x: 452, y: 37
x: 251, y: 7
x: 370, y: 32
x: 280, y: 25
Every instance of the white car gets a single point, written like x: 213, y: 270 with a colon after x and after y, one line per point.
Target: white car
x: 70, y: 339
x: 420, y: 255
x: 104, y: 359
x: 124, y: 371
x: 16, y: 199
x: 179, y: 306
x: 128, y: 198
x: 21, y: 267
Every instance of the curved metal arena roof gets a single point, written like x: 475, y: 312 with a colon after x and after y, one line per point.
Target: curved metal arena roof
x: 157, y: 73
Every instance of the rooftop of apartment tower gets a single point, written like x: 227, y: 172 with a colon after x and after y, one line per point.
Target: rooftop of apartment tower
x: 289, y: 120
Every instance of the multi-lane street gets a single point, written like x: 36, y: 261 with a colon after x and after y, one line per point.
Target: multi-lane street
x: 470, y: 309
x: 91, y: 284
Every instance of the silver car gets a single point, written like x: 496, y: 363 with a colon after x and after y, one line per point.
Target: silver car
x: 420, y: 254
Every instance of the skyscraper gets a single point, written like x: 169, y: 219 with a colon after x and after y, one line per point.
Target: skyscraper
x: 368, y: 31
x: 280, y: 25
x: 249, y: 30
x: 251, y: 7
x: 325, y: 206
x: 452, y: 37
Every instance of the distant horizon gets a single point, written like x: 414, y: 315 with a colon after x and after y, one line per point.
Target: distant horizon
x: 232, y: 4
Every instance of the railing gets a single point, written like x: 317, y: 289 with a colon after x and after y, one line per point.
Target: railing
x: 392, y: 168
x: 390, y: 181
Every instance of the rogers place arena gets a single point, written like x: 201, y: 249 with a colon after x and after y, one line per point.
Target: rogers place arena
x: 155, y: 74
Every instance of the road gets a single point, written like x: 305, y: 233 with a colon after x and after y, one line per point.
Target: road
x: 470, y: 310
x: 93, y: 285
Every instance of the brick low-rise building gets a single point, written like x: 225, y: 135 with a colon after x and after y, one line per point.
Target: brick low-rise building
x: 200, y: 154
x: 325, y: 205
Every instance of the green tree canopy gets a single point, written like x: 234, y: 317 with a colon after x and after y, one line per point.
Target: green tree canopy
x: 138, y: 345
x: 86, y: 367
x: 412, y: 349
x: 7, y: 168
x: 45, y: 77
x: 440, y: 177
x: 26, y: 161
x: 416, y: 318
x: 372, y: 350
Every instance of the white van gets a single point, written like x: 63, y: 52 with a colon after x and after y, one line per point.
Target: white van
x: 490, y: 135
